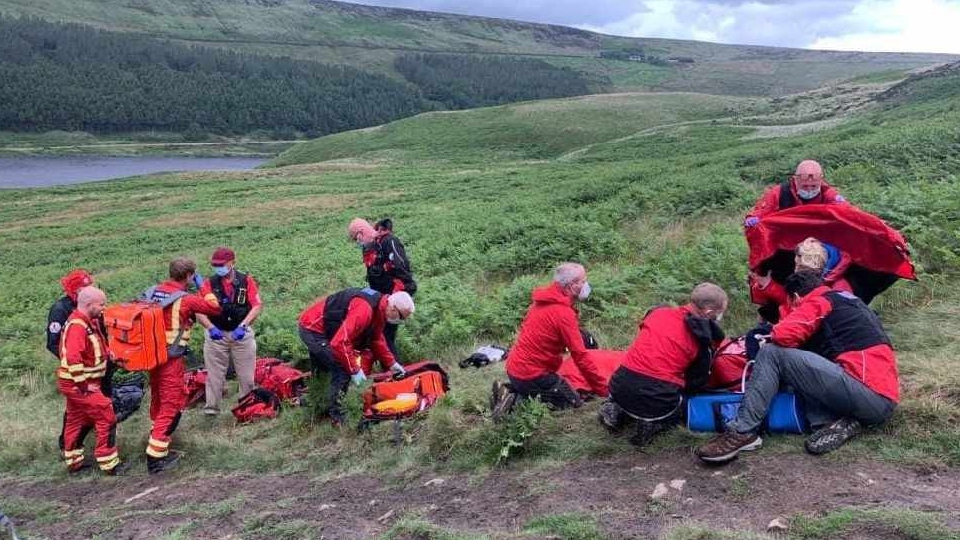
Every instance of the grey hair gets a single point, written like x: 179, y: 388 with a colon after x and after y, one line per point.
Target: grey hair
x: 567, y: 273
x: 402, y: 301
x: 708, y: 296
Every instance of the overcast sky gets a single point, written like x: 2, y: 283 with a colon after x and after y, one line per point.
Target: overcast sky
x: 863, y: 25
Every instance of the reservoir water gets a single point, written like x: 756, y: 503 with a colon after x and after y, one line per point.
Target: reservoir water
x: 41, y: 171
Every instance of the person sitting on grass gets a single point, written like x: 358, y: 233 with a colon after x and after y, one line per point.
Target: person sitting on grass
x: 670, y: 356
x: 832, y: 350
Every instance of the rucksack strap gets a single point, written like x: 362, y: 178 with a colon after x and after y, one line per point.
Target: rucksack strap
x: 165, y: 302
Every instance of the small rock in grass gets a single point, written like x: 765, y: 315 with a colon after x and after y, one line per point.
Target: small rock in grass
x: 677, y: 484
x: 385, y: 517
x: 660, y: 491
x: 434, y: 482
x: 777, y: 525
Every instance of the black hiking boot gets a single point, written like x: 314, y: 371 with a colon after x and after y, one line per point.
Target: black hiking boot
x: 611, y: 416
x: 158, y: 465
x: 646, y: 431
x: 120, y: 469
x: 833, y: 436
x: 83, y: 468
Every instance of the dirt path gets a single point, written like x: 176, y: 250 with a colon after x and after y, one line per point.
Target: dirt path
x: 744, y: 495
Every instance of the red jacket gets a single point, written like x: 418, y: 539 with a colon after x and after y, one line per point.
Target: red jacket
x: 83, y: 350
x: 875, y: 366
x: 551, y: 328
x: 182, y: 313
x: 360, y: 318
x: 770, y: 200
x: 664, y: 347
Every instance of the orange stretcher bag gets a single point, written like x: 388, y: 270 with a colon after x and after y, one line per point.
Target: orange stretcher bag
x: 137, y: 334
x: 419, y: 389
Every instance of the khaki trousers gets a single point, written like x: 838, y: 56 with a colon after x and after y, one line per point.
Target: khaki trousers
x: 216, y: 359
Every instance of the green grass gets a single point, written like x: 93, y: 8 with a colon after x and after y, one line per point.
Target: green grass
x: 650, y: 216
x: 905, y: 524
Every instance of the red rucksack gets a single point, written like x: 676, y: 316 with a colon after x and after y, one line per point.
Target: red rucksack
x: 729, y: 366
x: 258, y: 403
x: 194, y: 386
x: 285, y: 381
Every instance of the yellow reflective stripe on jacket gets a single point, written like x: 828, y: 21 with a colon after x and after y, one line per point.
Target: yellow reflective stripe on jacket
x: 175, y: 325
x: 81, y: 372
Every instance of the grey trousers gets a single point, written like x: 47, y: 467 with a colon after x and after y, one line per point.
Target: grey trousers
x: 828, y: 392
x: 216, y: 359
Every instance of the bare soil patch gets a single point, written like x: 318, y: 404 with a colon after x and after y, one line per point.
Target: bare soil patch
x: 744, y: 495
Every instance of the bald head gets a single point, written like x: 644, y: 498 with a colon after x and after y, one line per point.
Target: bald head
x: 709, y: 299
x: 91, y: 301
x: 808, y: 179
x: 361, y: 231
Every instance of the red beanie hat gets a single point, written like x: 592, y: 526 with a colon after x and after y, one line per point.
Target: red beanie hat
x: 74, y: 281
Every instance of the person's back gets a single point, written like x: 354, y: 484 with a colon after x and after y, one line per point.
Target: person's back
x: 664, y: 347
x: 545, y: 334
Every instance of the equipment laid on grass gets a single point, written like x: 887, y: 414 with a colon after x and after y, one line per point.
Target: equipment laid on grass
x: 287, y: 382
x: 483, y: 356
x: 195, y: 386
x: 396, y: 399
x: 137, y: 333
x: 259, y: 403
x: 127, y: 396
x: 712, y: 412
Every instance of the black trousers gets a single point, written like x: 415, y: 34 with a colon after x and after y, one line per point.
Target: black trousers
x: 322, y: 359
x: 551, y: 389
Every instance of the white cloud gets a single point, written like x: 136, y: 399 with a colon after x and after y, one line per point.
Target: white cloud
x: 902, y: 25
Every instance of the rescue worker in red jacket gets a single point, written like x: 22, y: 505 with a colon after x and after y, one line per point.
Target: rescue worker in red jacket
x: 832, y: 350
x: 551, y: 328
x: 336, y: 326
x: 229, y: 335
x: 167, y: 395
x: 83, y: 363
x: 806, y: 186
x: 670, y: 357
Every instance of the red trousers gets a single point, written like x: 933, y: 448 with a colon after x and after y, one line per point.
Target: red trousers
x: 167, y: 400
x: 85, y: 410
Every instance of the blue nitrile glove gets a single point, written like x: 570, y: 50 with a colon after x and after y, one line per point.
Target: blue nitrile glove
x: 751, y: 221
x: 239, y: 332
x: 358, y: 377
x: 197, y: 280
x: 215, y: 333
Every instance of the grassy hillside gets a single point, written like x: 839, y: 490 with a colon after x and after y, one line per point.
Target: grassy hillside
x: 372, y: 37
x: 650, y: 216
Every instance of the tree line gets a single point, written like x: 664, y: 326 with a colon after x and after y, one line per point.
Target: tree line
x: 461, y: 81
x: 73, y: 77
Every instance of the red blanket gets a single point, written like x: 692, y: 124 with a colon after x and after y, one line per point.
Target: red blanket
x: 607, y: 362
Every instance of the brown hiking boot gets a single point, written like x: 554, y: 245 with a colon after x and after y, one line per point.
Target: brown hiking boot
x: 726, y: 446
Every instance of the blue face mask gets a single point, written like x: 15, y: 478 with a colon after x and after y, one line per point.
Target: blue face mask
x: 221, y: 270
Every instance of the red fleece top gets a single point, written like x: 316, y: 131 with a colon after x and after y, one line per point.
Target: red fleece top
x: 550, y: 328
x: 360, y: 317
x: 770, y: 200
x: 664, y: 347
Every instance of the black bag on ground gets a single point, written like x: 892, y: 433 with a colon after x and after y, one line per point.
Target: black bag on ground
x: 484, y: 355
x: 127, y: 396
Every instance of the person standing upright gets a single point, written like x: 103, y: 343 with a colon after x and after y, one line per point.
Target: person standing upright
x: 229, y: 334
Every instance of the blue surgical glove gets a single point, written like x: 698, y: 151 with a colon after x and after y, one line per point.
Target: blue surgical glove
x: 239, y: 333
x: 358, y: 377
x: 215, y: 333
x: 751, y: 221
x: 197, y: 280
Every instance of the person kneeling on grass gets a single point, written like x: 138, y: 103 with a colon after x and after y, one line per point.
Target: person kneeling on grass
x: 550, y: 328
x: 670, y: 356
x: 832, y: 350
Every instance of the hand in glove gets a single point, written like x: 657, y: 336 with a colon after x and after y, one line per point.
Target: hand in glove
x: 358, y: 378
x: 751, y: 221
x: 239, y: 333
x: 215, y: 333
x: 197, y: 280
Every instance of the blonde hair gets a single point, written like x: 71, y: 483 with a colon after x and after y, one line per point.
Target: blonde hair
x: 811, y: 254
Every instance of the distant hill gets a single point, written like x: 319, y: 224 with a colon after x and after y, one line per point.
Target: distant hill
x: 373, y: 38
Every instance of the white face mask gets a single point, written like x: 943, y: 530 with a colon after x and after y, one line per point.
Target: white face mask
x: 808, y: 194
x: 584, y: 291
x: 719, y: 317
x: 395, y: 321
